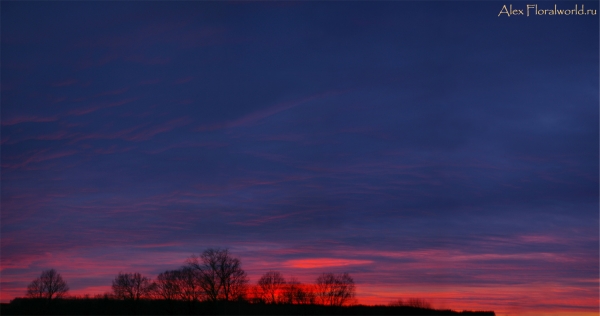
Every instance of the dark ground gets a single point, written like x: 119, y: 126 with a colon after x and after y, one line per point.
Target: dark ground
x: 158, y: 307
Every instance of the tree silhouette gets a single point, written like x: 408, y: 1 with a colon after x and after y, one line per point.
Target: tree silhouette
x: 221, y: 275
x: 190, y: 284
x: 131, y: 286
x: 168, y: 285
x: 298, y: 293
x: 335, y: 289
x: 271, y: 286
x: 49, y: 285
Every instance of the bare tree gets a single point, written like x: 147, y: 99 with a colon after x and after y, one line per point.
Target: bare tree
x: 35, y: 289
x: 131, y: 286
x: 221, y: 275
x: 271, y: 286
x: 190, y: 284
x: 335, y: 289
x: 49, y: 285
x: 168, y: 285
x: 298, y: 293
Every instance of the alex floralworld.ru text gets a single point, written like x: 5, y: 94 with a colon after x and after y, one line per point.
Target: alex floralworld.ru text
x: 532, y: 9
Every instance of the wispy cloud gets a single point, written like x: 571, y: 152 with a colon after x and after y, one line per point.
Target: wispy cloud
x: 94, y: 108
x: 39, y: 156
x: 255, y: 117
x: 158, y: 129
x: 265, y: 219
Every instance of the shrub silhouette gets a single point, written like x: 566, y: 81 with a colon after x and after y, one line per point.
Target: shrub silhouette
x: 412, y: 302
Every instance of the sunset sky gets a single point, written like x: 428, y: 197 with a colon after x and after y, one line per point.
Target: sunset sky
x: 431, y: 149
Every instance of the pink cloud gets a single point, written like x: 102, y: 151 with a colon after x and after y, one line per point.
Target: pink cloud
x: 38, y: 157
x: 58, y: 135
x: 28, y: 119
x: 456, y: 258
x: 540, y: 239
x: 265, y: 219
x: 114, y: 135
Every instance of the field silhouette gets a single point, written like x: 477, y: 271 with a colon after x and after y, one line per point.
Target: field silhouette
x: 98, y: 306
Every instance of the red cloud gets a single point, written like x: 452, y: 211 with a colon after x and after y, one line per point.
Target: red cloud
x: 323, y: 263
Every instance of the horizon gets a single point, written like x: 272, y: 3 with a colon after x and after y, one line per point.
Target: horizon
x: 437, y: 150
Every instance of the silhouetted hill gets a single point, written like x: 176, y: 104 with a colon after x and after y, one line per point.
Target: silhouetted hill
x: 159, y: 307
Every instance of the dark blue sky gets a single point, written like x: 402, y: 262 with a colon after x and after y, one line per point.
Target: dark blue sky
x: 431, y: 149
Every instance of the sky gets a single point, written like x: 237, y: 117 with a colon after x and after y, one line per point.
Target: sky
x: 437, y: 150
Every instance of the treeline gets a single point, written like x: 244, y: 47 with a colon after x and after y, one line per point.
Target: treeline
x: 211, y: 283
x: 213, y: 276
